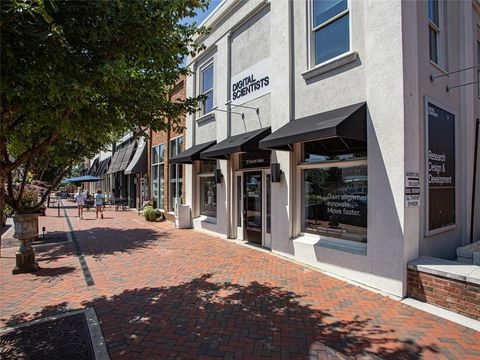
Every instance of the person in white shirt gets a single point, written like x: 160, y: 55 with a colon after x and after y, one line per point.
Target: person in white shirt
x: 98, y: 202
x: 80, y: 198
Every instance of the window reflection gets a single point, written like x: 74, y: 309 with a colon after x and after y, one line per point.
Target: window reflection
x: 335, y: 202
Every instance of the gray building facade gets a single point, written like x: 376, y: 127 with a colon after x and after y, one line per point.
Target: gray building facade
x: 347, y: 99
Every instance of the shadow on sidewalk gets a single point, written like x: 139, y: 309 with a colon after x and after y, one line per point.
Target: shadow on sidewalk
x: 99, y: 241
x: 202, y: 317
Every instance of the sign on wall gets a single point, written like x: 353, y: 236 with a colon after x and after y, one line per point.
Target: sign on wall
x: 251, y: 83
x: 412, y: 189
x: 440, y: 168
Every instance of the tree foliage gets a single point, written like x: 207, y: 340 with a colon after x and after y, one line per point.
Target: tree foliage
x: 76, y: 75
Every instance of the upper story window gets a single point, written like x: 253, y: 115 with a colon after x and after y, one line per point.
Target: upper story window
x: 207, y: 88
x: 331, y: 29
x: 435, y: 36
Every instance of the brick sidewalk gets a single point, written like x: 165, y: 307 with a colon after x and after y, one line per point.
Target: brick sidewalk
x: 165, y: 293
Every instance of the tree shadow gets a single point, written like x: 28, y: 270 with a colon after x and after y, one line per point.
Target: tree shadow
x: 51, y: 272
x: 99, y: 241
x: 214, y: 319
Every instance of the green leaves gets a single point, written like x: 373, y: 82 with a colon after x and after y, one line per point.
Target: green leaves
x: 76, y: 75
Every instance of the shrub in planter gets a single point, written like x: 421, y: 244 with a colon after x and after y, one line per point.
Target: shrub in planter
x: 153, y: 215
x: 146, y: 212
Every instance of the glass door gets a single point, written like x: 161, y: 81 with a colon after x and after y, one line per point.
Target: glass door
x: 253, y: 222
x: 239, y: 204
x: 267, y: 238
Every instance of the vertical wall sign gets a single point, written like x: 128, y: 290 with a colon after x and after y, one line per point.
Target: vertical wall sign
x: 412, y: 189
x: 440, y: 168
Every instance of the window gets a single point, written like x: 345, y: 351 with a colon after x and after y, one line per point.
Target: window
x: 434, y: 35
x: 176, y: 174
x: 158, y: 160
x: 207, y: 88
x: 208, y: 188
x: 331, y: 29
x: 334, y: 194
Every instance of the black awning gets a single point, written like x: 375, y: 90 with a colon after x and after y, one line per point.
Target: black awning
x: 139, y: 160
x: 114, y: 164
x: 189, y: 155
x: 94, y: 167
x: 246, y: 142
x: 127, y: 156
x: 103, y: 167
x: 344, y: 127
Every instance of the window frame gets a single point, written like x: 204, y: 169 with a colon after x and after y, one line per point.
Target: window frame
x: 171, y: 205
x: 440, y: 36
x: 311, y: 30
x: 202, y: 69
x: 160, y: 204
x: 300, y: 219
x: 205, y: 175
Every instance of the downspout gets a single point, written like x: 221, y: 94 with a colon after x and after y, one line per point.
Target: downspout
x: 229, y: 77
x: 149, y: 164
x: 193, y: 204
x: 291, y: 93
x: 475, y: 157
x: 194, y: 94
x: 230, y: 177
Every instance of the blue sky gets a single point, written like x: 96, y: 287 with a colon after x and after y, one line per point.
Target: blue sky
x: 201, y: 15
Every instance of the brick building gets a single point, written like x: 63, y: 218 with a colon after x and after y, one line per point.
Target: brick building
x: 166, y: 180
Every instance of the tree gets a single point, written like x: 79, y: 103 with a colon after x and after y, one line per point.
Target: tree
x: 76, y: 75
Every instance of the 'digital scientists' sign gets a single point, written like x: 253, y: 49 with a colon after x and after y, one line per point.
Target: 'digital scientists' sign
x: 251, y: 83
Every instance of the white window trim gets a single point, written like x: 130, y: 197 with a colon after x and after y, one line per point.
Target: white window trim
x: 176, y: 178
x: 441, y: 63
x: 311, y: 37
x: 158, y: 176
x: 209, y: 62
x: 210, y: 219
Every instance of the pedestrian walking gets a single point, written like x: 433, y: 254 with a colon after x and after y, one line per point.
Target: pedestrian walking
x: 98, y: 202
x: 80, y: 198
x: 112, y: 199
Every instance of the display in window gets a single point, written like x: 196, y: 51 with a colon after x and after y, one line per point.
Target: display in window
x: 208, y: 196
x: 335, y: 202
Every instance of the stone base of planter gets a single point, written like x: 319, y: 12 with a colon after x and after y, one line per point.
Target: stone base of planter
x: 25, y: 262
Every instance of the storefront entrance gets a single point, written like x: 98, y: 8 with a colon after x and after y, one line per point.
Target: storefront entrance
x: 253, y: 206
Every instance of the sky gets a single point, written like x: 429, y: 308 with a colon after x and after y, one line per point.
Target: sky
x: 201, y: 15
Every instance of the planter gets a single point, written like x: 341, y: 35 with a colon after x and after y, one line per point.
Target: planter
x: 26, y: 231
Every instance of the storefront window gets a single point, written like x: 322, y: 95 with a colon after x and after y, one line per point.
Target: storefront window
x: 334, y: 191
x: 176, y: 173
x: 332, y: 150
x: 158, y: 159
x: 335, y: 202
x: 208, y: 188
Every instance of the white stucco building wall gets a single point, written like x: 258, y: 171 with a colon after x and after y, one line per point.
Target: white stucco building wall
x: 388, y: 67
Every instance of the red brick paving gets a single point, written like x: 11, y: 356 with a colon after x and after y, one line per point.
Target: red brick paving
x: 164, y: 293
